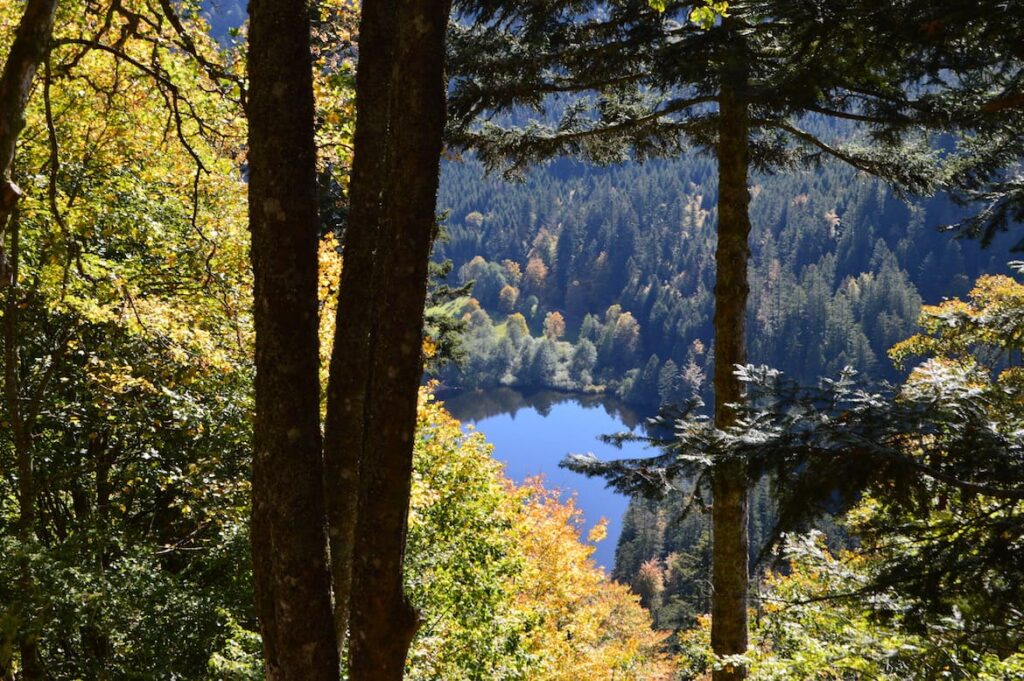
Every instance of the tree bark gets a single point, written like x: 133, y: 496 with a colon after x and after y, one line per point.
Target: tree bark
x: 21, y: 433
x: 345, y: 434
x: 407, y: 50
x: 31, y: 43
x: 729, y: 511
x: 289, y: 542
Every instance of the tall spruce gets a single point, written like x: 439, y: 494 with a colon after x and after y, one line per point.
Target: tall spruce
x: 772, y: 85
x: 289, y: 543
x: 377, y: 361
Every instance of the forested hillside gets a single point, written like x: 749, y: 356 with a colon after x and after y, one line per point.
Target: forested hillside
x: 624, y: 255
x: 622, y: 259
x: 631, y: 278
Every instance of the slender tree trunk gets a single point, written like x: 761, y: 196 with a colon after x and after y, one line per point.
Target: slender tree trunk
x: 31, y: 43
x: 383, y: 620
x: 345, y: 435
x: 29, y: 48
x: 729, y: 512
x: 28, y: 635
x: 292, y: 577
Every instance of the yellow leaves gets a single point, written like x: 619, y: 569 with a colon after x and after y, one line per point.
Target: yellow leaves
x: 599, y: 531
x: 578, y: 623
x: 997, y: 291
x: 334, y: 85
x: 429, y: 348
x: 989, y: 322
x: 187, y: 334
x: 328, y: 277
x: 329, y: 255
x: 589, y: 625
x: 127, y: 249
x: 703, y: 16
x: 706, y: 15
x: 1013, y: 378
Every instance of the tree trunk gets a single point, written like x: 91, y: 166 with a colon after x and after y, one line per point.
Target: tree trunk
x: 28, y: 49
x: 349, y: 383
x: 31, y: 43
x: 289, y: 543
x: 21, y: 434
x: 383, y: 620
x: 729, y: 512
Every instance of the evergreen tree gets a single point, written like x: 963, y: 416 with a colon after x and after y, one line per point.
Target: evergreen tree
x: 584, y: 357
x: 544, y: 363
x: 646, y: 383
x: 668, y: 383
x: 980, y: 42
x: 642, y: 83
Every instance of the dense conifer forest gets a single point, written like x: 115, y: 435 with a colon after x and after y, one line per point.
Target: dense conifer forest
x: 246, y: 252
x: 846, y: 267
x: 624, y: 257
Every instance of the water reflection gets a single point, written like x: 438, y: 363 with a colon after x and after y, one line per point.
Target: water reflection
x: 532, y: 433
x: 473, y: 406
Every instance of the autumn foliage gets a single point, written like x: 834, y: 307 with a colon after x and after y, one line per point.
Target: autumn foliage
x: 509, y: 584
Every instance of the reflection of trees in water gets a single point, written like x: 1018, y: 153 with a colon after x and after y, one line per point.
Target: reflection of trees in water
x: 472, y: 406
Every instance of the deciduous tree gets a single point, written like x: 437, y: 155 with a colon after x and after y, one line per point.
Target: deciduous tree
x: 290, y: 561
x: 377, y: 360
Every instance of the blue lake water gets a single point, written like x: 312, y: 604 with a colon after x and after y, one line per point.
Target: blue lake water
x: 532, y: 433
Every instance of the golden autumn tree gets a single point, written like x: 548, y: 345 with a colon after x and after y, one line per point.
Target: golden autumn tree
x: 126, y: 344
x: 584, y: 625
x: 554, y: 325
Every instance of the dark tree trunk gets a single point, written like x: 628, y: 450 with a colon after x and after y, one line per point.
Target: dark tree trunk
x: 357, y: 314
x: 729, y: 512
x: 31, y: 43
x: 289, y: 543
x: 377, y: 362
x: 21, y: 433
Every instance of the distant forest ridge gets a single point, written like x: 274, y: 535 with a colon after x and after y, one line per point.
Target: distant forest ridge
x: 612, y: 271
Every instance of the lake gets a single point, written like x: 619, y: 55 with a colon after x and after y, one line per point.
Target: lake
x: 532, y: 433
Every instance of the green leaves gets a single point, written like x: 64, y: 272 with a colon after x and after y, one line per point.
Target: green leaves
x: 132, y: 347
x: 706, y: 16
x: 505, y: 580
x: 703, y: 16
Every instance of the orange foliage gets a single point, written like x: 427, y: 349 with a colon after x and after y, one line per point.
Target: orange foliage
x: 554, y: 325
x: 586, y: 626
